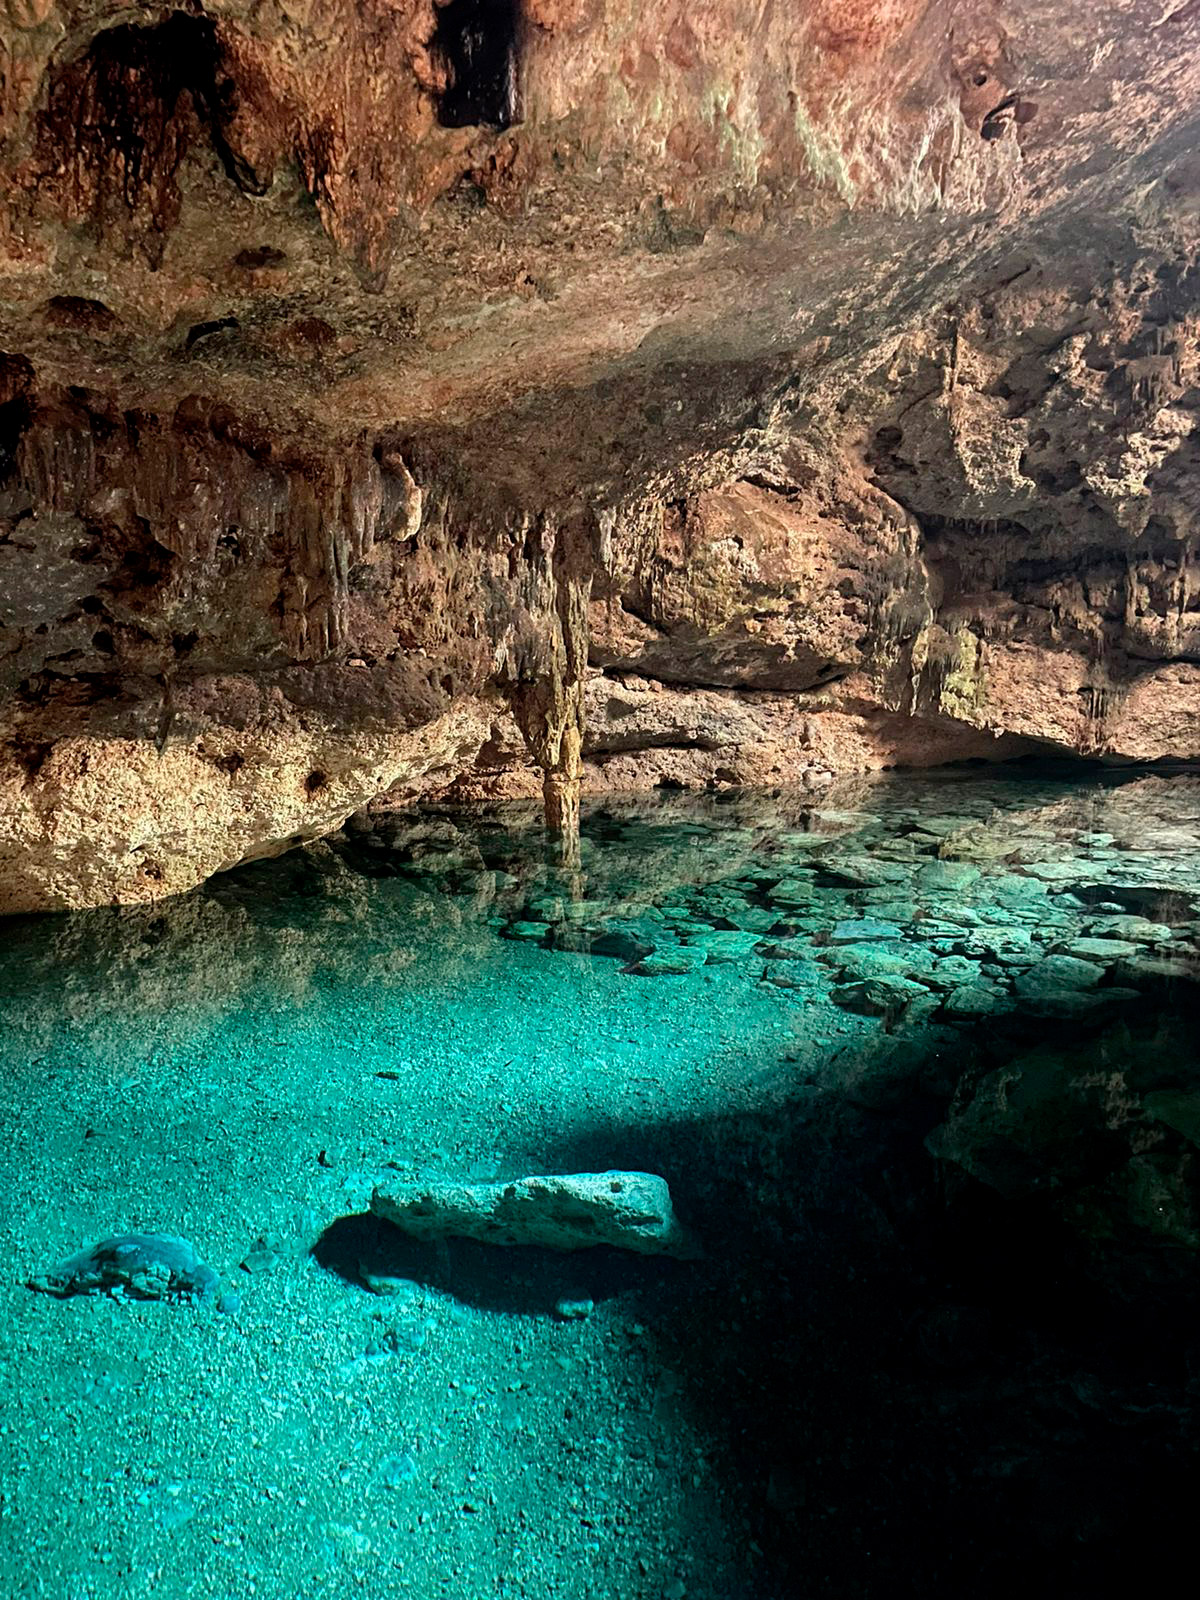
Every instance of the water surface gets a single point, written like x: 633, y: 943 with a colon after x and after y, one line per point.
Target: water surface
x: 917, y: 1057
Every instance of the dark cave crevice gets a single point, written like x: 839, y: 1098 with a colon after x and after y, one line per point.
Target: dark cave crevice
x: 476, y: 41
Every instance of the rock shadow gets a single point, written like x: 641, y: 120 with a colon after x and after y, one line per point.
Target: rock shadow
x: 512, y: 1279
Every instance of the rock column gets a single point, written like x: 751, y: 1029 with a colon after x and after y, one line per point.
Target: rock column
x: 546, y: 693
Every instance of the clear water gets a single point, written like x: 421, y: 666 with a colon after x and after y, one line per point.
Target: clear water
x: 945, y: 1183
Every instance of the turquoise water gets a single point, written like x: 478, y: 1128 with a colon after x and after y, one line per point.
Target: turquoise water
x: 917, y: 1057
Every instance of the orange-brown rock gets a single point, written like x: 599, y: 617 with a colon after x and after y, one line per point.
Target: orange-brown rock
x: 735, y: 394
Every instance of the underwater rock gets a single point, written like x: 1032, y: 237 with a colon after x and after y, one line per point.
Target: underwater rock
x: 1104, y: 951
x: 261, y: 1258
x: 1139, y: 930
x: 922, y: 1007
x: 1158, y: 972
x: 671, y: 963
x: 952, y: 972
x: 631, y: 1210
x: 627, y: 941
x: 1056, y: 973
x: 794, y: 975
x: 150, y: 1266
x: 387, y: 1284
x: 877, y: 997
x: 394, y: 1471
x: 752, y: 920
x: 1178, y: 1109
x: 999, y: 942
x: 867, y: 930
x: 792, y: 892
x: 724, y: 946
x: 865, y: 872
x: 971, y: 1000
x: 574, y: 1310
x: 1064, y: 1125
x: 946, y: 876
x: 1049, y: 872
x: 878, y: 961
x: 786, y: 950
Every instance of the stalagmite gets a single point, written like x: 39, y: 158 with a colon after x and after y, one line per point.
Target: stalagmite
x: 550, y: 716
x: 546, y: 694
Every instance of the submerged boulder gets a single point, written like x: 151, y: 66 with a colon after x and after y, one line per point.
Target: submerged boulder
x: 149, y: 1266
x: 1055, y: 974
x: 971, y: 1000
x: 631, y: 1210
x: 865, y: 930
x: 723, y: 946
x: 862, y: 961
x: 878, y: 997
x: 671, y: 963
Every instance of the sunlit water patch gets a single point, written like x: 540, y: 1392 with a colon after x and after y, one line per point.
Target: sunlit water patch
x: 917, y: 1058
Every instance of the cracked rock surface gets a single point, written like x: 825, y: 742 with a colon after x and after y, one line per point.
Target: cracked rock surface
x: 398, y: 405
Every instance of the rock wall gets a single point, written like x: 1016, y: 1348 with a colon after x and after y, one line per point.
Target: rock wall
x: 406, y: 399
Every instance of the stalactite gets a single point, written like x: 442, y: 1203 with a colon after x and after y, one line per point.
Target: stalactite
x: 545, y: 681
x: 190, y: 484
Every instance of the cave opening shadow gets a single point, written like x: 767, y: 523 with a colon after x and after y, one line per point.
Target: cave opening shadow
x: 925, y: 1386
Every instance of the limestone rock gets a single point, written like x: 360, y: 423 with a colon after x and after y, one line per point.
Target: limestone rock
x: 970, y: 1001
x: 1054, y: 974
x: 864, y: 930
x: 670, y: 962
x: 629, y: 1210
x: 1138, y: 930
x: 881, y: 996
x: 1102, y: 951
x: 1159, y: 972
x: 1065, y: 1126
x: 1179, y: 1109
x: 625, y: 397
x: 148, y: 1266
x: 877, y: 960
x: 722, y: 946
x: 801, y: 976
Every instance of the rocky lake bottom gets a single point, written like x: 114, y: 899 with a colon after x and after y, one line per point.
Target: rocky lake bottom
x: 918, y: 1058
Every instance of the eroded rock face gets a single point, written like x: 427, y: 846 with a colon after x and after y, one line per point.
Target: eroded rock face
x: 408, y: 398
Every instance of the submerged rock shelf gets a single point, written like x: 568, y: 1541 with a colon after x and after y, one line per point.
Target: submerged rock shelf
x: 917, y: 1059
x: 901, y: 913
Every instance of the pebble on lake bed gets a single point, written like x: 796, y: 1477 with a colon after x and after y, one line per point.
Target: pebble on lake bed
x: 397, y: 1470
x: 385, y: 1283
x: 261, y: 1258
x: 574, y: 1310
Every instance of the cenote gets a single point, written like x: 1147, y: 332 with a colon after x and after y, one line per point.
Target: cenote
x: 917, y: 1058
x: 599, y: 799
